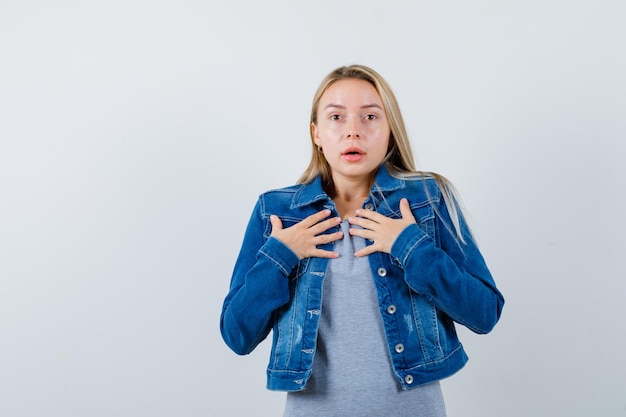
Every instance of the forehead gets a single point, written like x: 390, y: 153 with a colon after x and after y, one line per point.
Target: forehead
x: 351, y: 91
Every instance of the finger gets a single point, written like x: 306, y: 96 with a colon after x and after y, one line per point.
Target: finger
x: 405, y: 210
x: 276, y: 223
x: 325, y: 225
x: 364, y: 223
x: 321, y: 253
x: 364, y: 233
x: 368, y: 250
x: 315, y: 218
x: 370, y: 214
x: 327, y: 238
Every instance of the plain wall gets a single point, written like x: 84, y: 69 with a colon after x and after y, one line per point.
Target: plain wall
x: 135, y: 137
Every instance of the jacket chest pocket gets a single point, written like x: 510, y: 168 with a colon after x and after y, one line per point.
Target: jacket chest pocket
x: 287, y: 221
x: 427, y: 224
x: 425, y: 217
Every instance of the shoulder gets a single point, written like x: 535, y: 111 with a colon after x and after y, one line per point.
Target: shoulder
x: 278, y: 200
x: 427, y: 184
x: 282, y: 191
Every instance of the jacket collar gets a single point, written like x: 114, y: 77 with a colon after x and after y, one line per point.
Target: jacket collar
x: 313, y: 191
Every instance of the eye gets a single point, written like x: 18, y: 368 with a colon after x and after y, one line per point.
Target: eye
x: 370, y: 117
x: 335, y: 117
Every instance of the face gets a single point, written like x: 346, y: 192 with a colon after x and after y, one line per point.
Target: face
x: 352, y: 129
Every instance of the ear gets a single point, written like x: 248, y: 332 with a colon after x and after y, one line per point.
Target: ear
x: 315, y: 134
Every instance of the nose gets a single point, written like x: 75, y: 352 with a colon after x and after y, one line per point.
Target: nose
x: 352, y: 131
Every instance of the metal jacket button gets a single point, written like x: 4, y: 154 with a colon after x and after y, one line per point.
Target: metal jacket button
x: 382, y: 272
x: 369, y: 206
x: 408, y: 379
x: 391, y: 309
x: 399, y: 348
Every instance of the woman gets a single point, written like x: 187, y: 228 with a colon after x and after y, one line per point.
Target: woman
x: 361, y: 269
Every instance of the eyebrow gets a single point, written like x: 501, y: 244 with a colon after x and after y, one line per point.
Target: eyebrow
x: 365, y: 106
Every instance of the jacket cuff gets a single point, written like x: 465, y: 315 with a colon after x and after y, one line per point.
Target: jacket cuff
x: 280, y: 254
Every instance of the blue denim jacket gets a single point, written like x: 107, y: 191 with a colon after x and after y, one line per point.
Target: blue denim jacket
x: 429, y: 281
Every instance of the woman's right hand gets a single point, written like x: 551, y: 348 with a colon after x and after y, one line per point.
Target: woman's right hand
x: 304, y: 237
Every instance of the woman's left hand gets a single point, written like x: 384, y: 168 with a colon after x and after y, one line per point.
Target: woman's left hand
x: 382, y: 230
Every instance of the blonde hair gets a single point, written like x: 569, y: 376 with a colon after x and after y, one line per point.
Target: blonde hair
x: 399, y: 158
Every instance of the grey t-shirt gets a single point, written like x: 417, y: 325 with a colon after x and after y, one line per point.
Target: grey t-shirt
x: 352, y: 374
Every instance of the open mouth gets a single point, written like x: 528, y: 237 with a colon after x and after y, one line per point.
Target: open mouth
x: 353, y: 154
x: 353, y: 151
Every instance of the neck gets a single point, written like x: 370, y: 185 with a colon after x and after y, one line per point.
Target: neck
x: 349, y: 195
x: 349, y: 189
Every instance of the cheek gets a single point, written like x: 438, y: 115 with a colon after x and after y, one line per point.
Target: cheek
x: 383, y: 148
x: 329, y: 133
x: 333, y: 128
x: 382, y: 135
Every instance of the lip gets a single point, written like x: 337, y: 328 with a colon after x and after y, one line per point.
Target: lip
x: 353, y: 154
x: 353, y: 150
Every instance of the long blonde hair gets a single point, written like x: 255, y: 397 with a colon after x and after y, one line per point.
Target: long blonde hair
x: 399, y: 158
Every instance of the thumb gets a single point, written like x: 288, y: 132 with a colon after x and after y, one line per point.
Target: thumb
x: 405, y: 210
x: 276, y: 223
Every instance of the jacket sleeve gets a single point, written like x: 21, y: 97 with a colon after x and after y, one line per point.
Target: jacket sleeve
x: 259, y: 285
x: 452, y: 274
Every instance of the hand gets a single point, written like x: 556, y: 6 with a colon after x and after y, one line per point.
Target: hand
x: 303, y: 237
x: 382, y: 230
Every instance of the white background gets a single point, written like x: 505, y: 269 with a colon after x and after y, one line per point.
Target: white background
x: 136, y: 135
